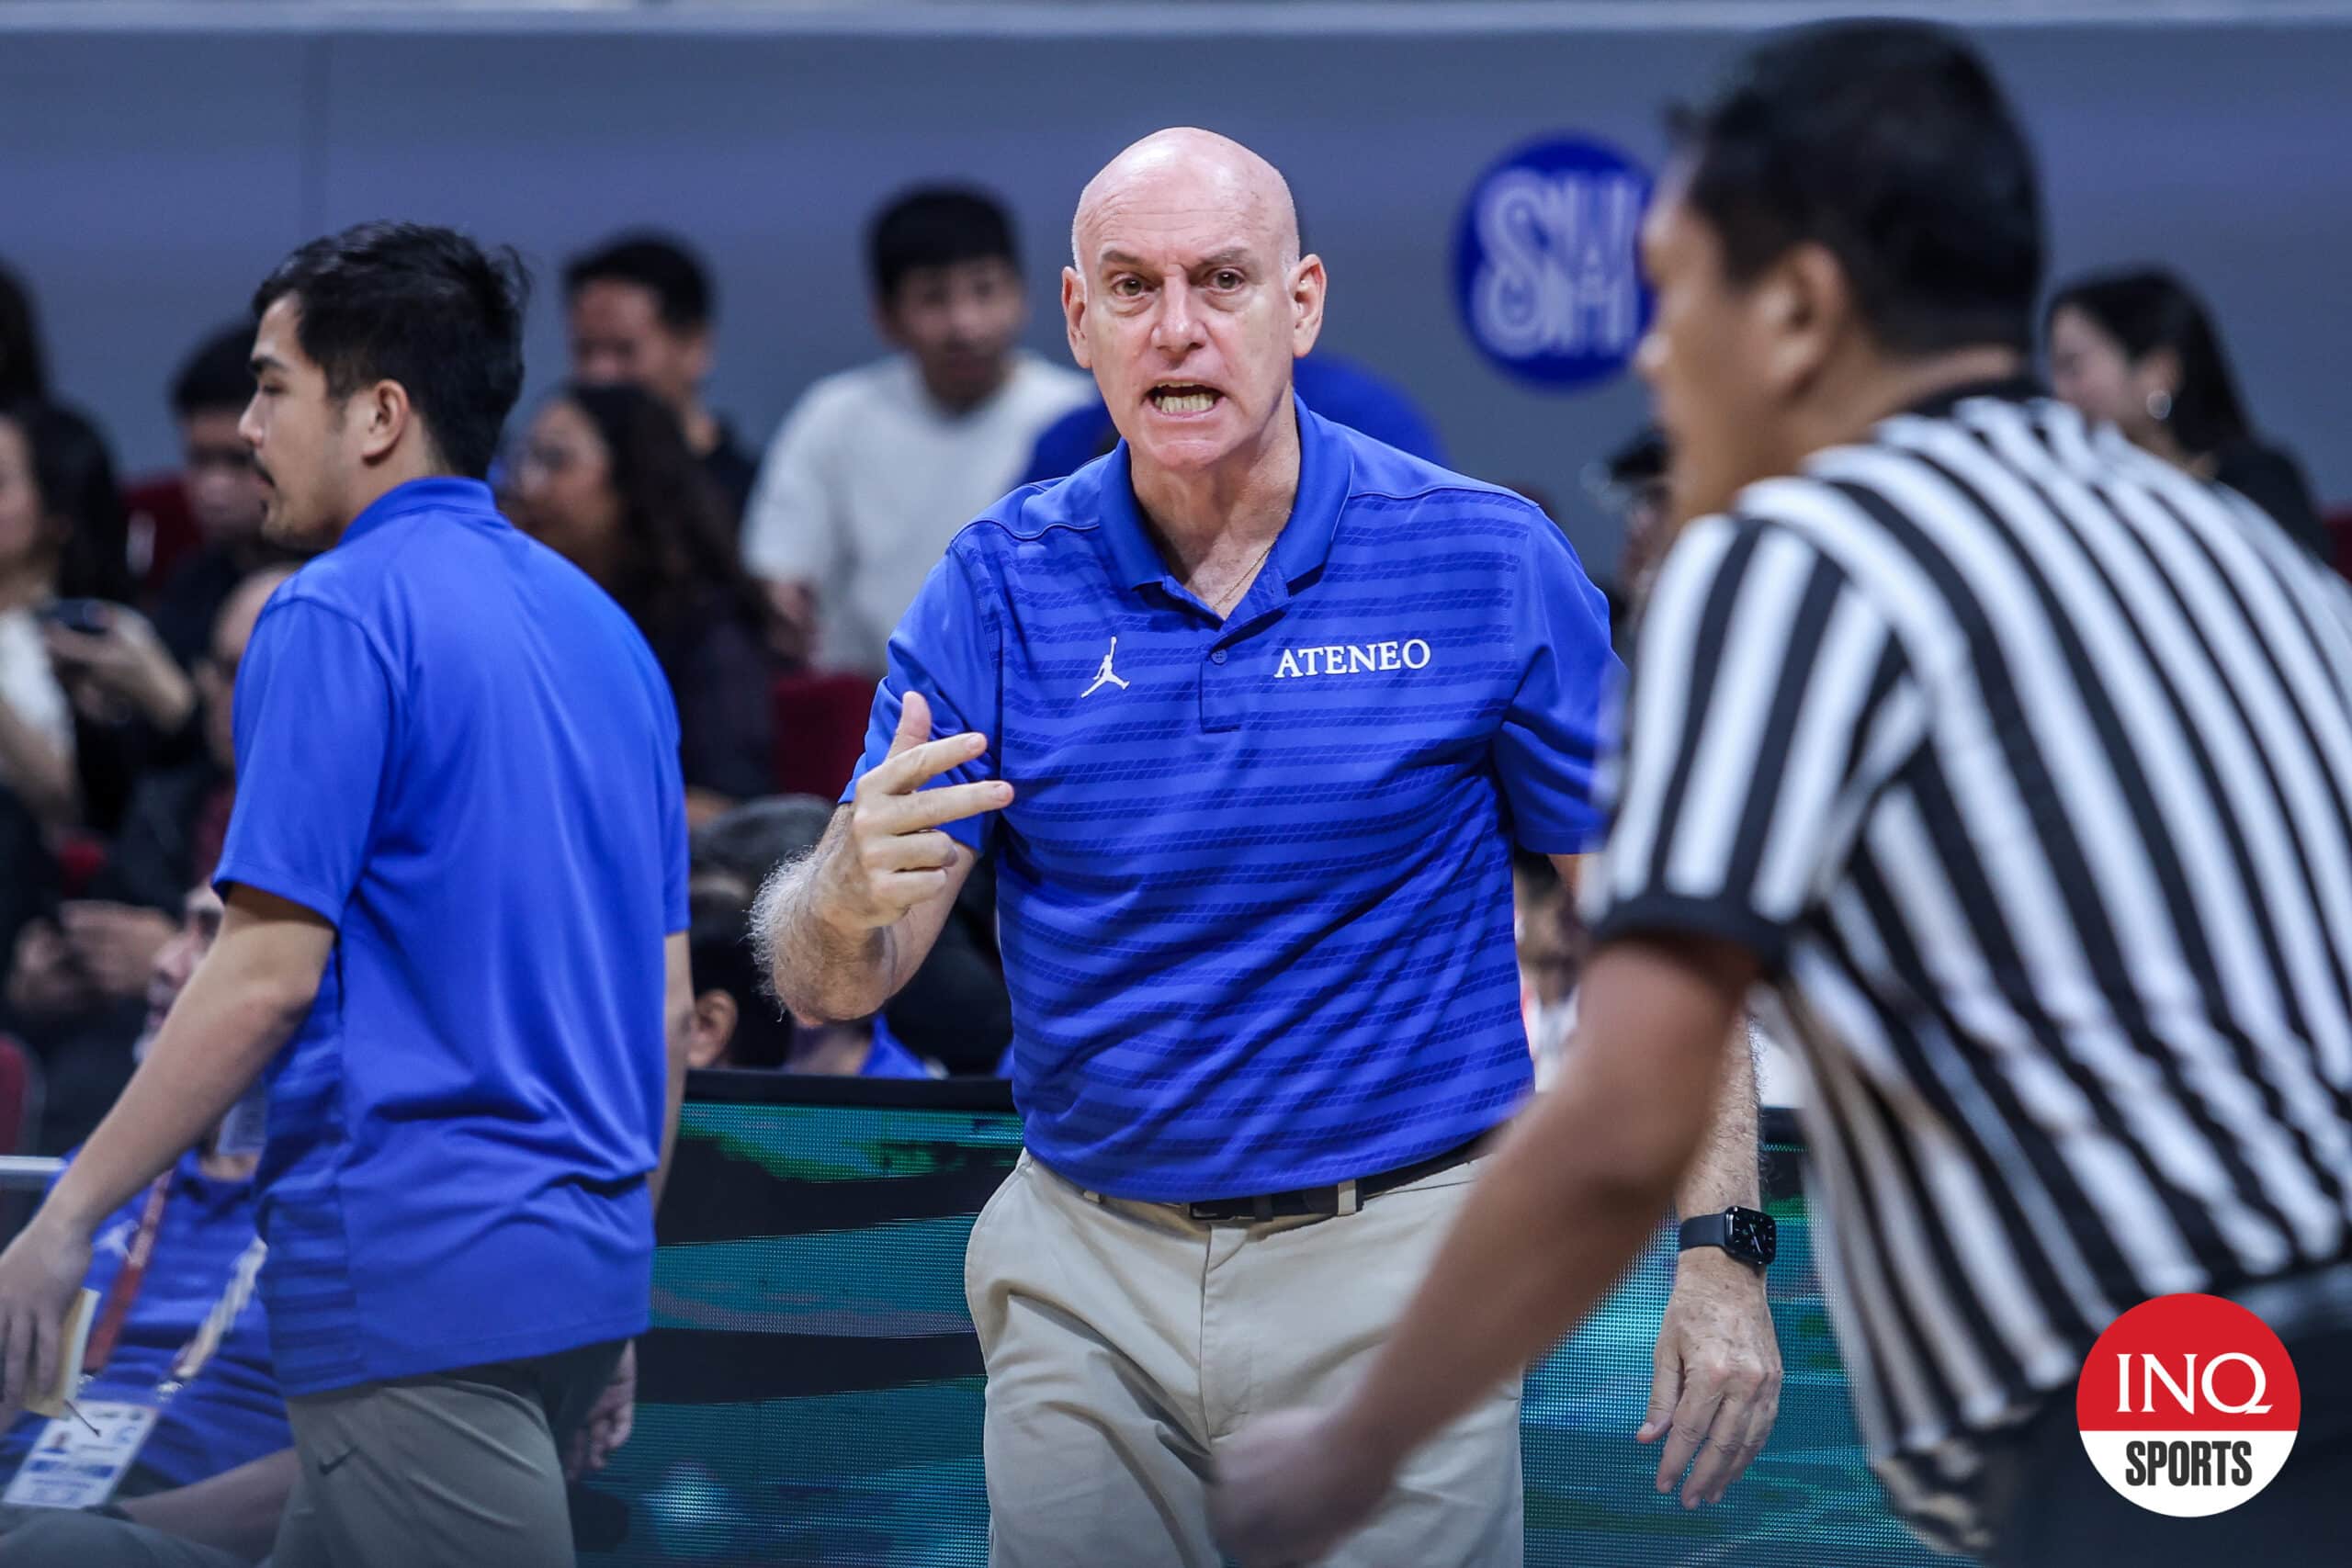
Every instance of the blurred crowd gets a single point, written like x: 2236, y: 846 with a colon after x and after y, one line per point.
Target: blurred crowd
x: 767, y: 585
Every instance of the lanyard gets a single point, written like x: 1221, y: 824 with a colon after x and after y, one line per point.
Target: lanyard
x: 131, y: 1280
x: 215, y: 1326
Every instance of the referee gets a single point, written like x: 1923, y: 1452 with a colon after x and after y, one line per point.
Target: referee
x: 2019, y: 765
x: 1245, y: 711
x: 454, y: 881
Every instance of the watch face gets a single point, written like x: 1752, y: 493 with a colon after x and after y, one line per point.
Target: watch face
x: 1753, y: 1236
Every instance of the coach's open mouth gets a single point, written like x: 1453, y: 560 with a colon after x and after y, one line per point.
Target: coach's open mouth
x: 1183, y: 397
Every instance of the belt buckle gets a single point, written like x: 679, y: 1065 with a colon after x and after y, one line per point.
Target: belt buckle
x: 1345, y: 1198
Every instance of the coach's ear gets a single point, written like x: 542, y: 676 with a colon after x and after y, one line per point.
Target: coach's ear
x: 1074, y: 317
x: 1308, y: 285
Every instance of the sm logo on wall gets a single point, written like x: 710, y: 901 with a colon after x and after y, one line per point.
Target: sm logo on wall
x: 1546, y: 266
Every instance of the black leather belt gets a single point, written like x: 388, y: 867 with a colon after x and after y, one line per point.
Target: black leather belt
x: 1340, y: 1198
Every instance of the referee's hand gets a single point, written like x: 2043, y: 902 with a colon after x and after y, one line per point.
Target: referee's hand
x: 896, y: 856
x: 1291, y: 1486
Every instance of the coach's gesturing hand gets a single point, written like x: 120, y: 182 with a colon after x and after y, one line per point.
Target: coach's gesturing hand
x: 1715, y: 1391
x: 841, y: 930
x: 896, y: 857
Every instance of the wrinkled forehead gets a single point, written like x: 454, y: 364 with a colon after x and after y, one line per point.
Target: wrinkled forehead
x: 1176, y: 215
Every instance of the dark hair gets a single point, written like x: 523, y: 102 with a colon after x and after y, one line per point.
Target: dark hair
x: 719, y: 958
x: 24, y: 368
x: 658, y: 263
x: 936, y: 226
x: 218, y: 376
x: 422, y: 306
x: 1890, y: 145
x: 74, y: 473
x: 749, y: 841
x: 678, y: 558
x: 2149, y: 310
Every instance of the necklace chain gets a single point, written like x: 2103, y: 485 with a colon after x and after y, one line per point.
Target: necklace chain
x: 1248, y: 575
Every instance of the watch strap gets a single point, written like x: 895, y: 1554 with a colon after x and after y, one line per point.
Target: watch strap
x: 1747, y: 1234
x: 1706, y: 1230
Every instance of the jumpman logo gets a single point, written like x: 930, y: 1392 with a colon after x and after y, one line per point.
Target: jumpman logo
x: 1106, y: 676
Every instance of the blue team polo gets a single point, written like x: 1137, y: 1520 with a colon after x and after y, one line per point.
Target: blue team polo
x: 1254, y: 886
x: 231, y: 1412
x: 455, y: 747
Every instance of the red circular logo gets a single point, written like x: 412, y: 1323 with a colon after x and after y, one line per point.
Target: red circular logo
x: 2188, y: 1405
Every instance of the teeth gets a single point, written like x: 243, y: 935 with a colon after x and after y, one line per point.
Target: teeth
x: 1183, y: 402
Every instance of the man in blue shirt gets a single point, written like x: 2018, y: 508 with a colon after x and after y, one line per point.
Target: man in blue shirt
x: 1248, y: 712
x: 456, y: 889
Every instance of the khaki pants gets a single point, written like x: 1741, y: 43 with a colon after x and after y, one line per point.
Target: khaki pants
x: 1125, y: 1342
x: 455, y: 1469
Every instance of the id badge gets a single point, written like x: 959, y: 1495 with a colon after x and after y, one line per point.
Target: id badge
x: 75, y: 1467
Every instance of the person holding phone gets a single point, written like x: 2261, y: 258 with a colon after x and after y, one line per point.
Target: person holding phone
x: 115, y: 665
x: 62, y: 536
x: 36, y: 719
x: 79, y: 969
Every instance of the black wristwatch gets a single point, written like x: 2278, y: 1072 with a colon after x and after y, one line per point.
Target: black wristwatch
x: 1747, y: 1235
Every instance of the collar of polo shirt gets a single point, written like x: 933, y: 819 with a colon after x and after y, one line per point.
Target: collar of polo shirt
x: 445, y: 493
x: 1325, y: 468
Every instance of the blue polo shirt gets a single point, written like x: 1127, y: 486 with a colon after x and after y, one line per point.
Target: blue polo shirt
x: 231, y: 1412
x: 452, y: 745
x: 1254, y: 886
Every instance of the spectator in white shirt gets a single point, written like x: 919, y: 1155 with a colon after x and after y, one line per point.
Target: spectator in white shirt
x: 877, y: 467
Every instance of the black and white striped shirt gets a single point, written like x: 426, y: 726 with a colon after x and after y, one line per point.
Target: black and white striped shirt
x: 2024, y: 761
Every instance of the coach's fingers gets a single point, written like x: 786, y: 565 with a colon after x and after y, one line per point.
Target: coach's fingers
x: 1740, y: 1436
x: 901, y: 890
x: 904, y: 772
x: 929, y: 850
x: 1666, y: 1388
x: 1693, y: 1419
x: 1722, y: 1457
x: 914, y: 724
x: 949, y: 803
x: 1747, y: 1394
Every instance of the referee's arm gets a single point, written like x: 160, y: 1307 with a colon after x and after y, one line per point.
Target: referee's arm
x: 1722, y: 824
x: 1577, y: 1190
